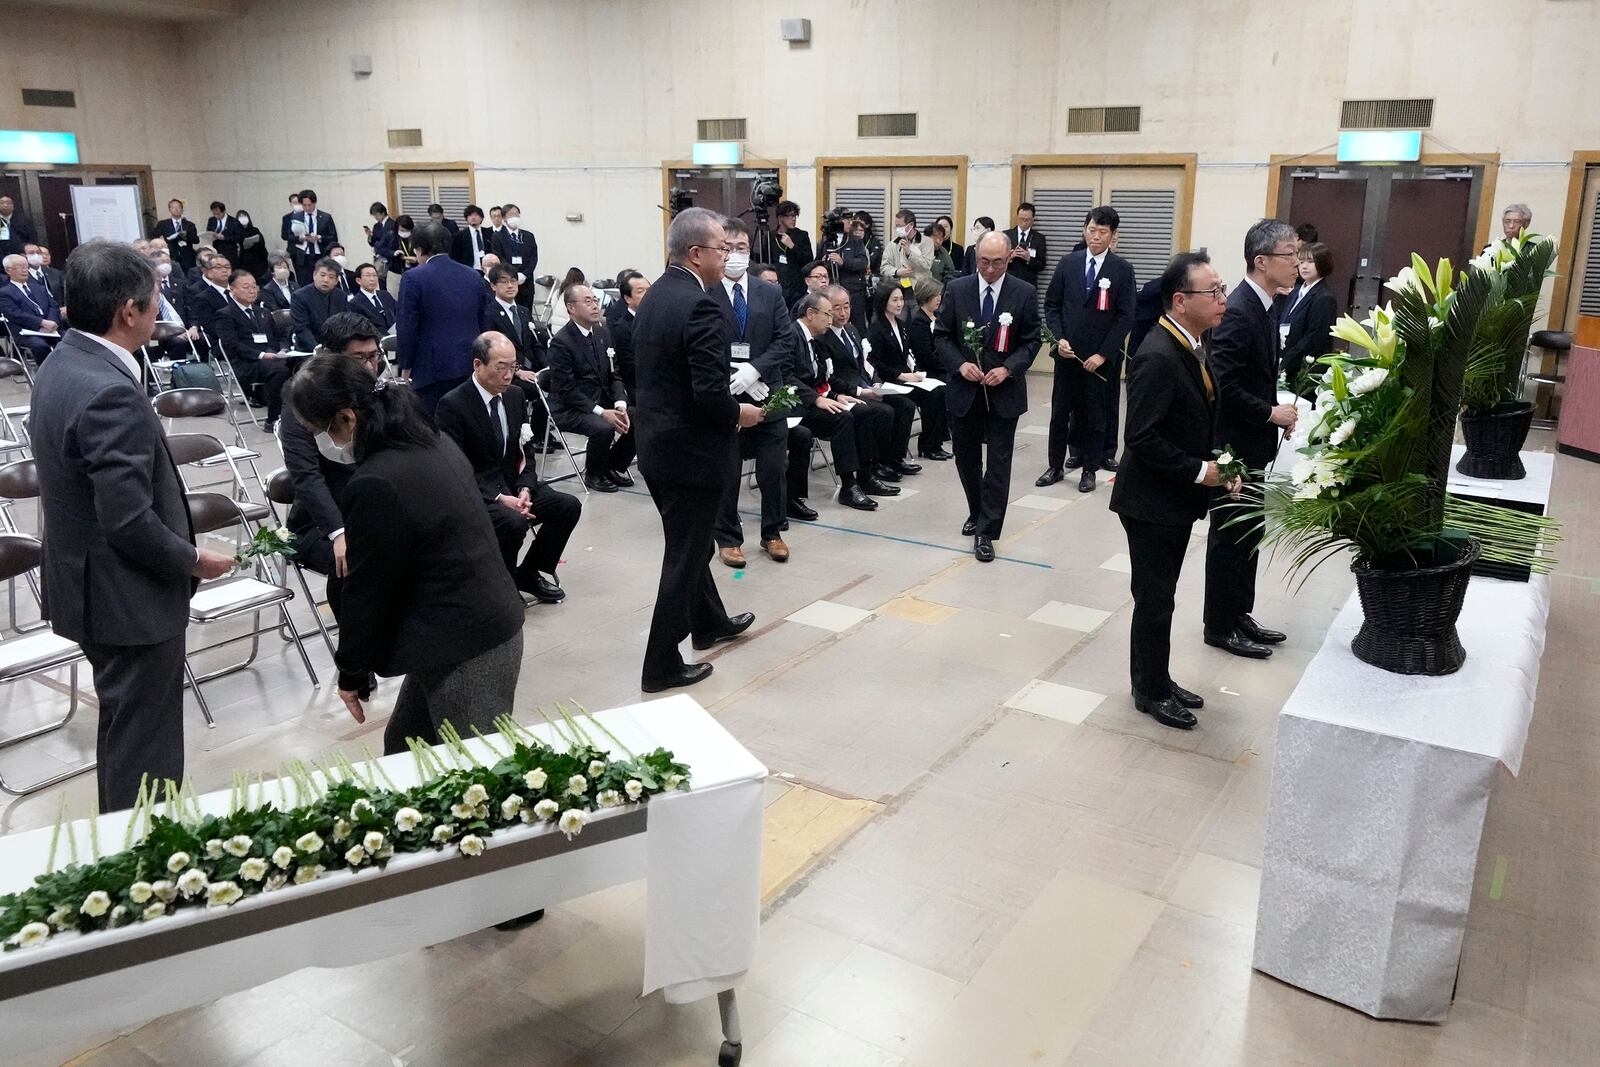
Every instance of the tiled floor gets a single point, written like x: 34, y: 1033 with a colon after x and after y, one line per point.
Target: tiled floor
x: 977, y: 852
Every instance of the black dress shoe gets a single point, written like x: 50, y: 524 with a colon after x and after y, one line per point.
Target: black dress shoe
x: 1086, y: 481
x: 544, y: 590
x: 1051, y: 476
x: 873, y: 487
x: 983, y: 548
x: 690, y: 674
x: 1182, y: 696
x: 1260, y: 634
x: 520, y: 921
x: 1074, y: 462
x: 737, y: 625
x: 885, y: 473
x: 902, y: 467
x: 1237, y: 643
x: 969, y: 527
x: 798, y: 510
x: 622, y: 478
x: 853, y: 497
x: 1167, y: 712
x: 599, y: 484
x: 1108, y: 465
x: 937, y: 454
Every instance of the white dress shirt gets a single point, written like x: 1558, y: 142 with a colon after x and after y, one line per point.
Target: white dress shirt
x: 1266, y: 300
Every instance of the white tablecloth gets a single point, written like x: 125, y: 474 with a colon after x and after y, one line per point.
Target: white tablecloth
x: 700, y: 854
x: 1534, y: 489
x: 1380, y: 783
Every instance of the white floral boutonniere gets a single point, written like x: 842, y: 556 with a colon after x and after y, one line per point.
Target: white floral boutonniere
x: 1005, y: 318
x: 525, y: 435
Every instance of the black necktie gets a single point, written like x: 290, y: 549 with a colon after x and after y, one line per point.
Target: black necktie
x: 494, y: 419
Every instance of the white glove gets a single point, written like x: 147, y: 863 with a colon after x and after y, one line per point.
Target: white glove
x: 743, y: 379
x: 758, y: 392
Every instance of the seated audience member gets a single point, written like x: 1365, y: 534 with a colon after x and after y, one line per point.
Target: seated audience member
x: 27, y: 305
x: 518, y: 250
x: 488, y: 263
x: 210, y: 296
x: 197, y: 273
x: 405, y: 256
x: 516, y: 323
x: 485, y: 417
x: 320, y: 475
x: 253, y: 343
x: 40, y: 270
x: 889, y: 418
x: 436, y: 214
x: 471, y: 242
x: 894, y: 360
x: 586, y: 393
x: 832, y: 419
x: 632, y: 285
x: 314, y: 304
x: 277, y: 292
x: 373, y: 301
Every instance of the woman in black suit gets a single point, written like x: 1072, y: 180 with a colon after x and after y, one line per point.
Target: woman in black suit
x: 919, y: 335
x: 252, y: 248
x: 894, y: 360
x: 426, y: 592
x: 1312, y: 313
x: 404, y: 257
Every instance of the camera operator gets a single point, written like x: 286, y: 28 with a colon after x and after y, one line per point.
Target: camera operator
x: 792, y: 251
x: 845, y: 251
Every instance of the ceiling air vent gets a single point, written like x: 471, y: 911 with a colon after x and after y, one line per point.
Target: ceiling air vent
x: 888, y: 124
x: 1386, y: 115
x: 720, y: 129
x: 1103, y: 120
x: 49, y: 98
x: 405, y: 138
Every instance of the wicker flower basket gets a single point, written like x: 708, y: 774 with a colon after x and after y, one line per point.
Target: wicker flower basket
x: 1493, y: 440
x: 1410, y: 615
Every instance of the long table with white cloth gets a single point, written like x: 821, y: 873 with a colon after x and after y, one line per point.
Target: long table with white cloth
x: 699, y: 851
x: 1380, y: 786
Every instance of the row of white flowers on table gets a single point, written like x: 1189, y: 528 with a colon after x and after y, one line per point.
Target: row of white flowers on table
x: 350, y: 818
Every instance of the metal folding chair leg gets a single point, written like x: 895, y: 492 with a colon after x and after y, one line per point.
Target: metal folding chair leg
x: 34, y: 787
x: 200, y: 698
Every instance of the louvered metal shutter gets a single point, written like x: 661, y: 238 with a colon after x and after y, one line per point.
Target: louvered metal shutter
x: 1058, y: 214
x: 926, y: 202
x: 1589, y: 300
x: 1147, y: 232
x: 873, y: 199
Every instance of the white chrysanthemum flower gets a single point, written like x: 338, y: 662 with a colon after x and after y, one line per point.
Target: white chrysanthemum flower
x: 407, y: 819
x: 546, y: 809
x: 527, y: 816
x: 673, y: 781
x: 341, y: 829
x: 277, y: 881
x: 282, y: 856
x: 222, y: 894
x: 462, y: 811
x: 140, y: 892
x: 253, y: 869
x: 373, y: 842
x: 510, y: 807
x: 177, y: 861
x: 481, y: 811
x: 192, y: 881
x: 214, y: 849
x: 308, y: 874
x: 155, y: 911
x: 577, y: 785
x: 1225, y: 458
x: 443, y: 832
x: 309, y: 842
x: 608, y: 798
x: 1368, y: 380
x: 238, y: 846
x: 597, y: 767
x: 1346, y: 430
x: 635, y: 788
x: 472, y: 845
x: 1301, y: 474
x: 535, y: 778
x: 96, y: 904
x: 118, y: 915
x: 31, y: 935
x: 572, y: 821
x: 361, y: 809
x: 355, y: 855
x: 61, y: 918
x: 475, y: 795
x: 165, y: 891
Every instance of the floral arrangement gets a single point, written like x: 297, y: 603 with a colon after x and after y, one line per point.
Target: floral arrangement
x: 1051, y: 341
x: 264, y: 544
x: 1517, y: 268
x: 348, y: 818
x: 782, y: 398
x: 1229, y: 466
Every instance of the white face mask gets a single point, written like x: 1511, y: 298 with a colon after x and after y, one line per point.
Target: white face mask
x: 35, y: 260
x: 405, y: 233
x: 281, y: 274
x: 334, y: 452
x: 514, y: 222
x: 737, y: 264
x: 163, y: 269
x: 244, y: 220
x: 341, y: 260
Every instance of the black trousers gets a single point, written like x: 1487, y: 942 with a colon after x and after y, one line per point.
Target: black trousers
x: 1230, y: 566
x: 314, y: 552
x: 904, y: 410
x: 140, y: 690
x: 608, y: 450
x: 839, y: 429
x: 1156, y: 551
x: 987, y: 484
x: 555, y: 516
x: 767, y: 443
x: 687, y: 601
x: 1077, y: 413
x: 271, y: 375
x: 935, y: 419
x: 875, y: 432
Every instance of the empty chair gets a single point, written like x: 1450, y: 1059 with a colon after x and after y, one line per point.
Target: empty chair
x: 203, y: 450
x: 202, y: 404
x: 541, y: 381
x: 19, y: 480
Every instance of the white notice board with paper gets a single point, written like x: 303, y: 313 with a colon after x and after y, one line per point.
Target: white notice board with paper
x: 109, y: 211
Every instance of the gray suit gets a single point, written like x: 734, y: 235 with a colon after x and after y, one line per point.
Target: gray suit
x: 119, y: 554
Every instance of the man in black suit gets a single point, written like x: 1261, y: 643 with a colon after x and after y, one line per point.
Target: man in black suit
x: 1166, y: 476
x: 1243, y: 356
x: 120, y: 560
x: 27, y: 305
x: 313, y: 304
x: 436, y: 214
x: 311, y: 234
x: 1027, y: 247
x: 1090, y: 309
x: 760, y: 340
x: 225, y: 231
x: 471, y: 242
x: 15, y: 229
x: 688, y: 422
x: 885, y: 420
x: 586, y: 394
x: 986, y: 390
x: 632, y: 285
x: 516, y: 323
x: 372, y: 301
x: 253, y: 343
x: 180, y: 234
x: 209, y: 295
x: 791, y: 252
x: 843, y: 423
x: 40, y: 270
x: 518, y: 250
x: 486, y: 417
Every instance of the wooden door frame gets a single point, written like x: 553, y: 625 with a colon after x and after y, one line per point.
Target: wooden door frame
x: 1567, y: 250
x: 960, y: 163
x: 670, y: 165
x: 391, y: 172
x: 1187, y: 160
x: 142, y: 171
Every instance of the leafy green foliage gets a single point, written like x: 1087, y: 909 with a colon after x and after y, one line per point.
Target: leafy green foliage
x: 1499, y: 346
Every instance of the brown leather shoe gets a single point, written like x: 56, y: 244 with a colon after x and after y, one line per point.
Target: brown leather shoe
x: 733, y: 557
x: 776, y: 549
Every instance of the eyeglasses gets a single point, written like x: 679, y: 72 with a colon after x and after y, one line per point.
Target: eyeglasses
x: 724, y: 249
x: 1291, y: 255
x: 1218, y: 291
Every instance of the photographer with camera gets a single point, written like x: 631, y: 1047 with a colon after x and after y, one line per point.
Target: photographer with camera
x: 791, y: 251
x: 844, y: 250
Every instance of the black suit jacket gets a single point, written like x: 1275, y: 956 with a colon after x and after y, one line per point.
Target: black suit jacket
x: 809, y: 369
x: 1073, y: 313
x: 687, y: 423
x: 524, y: 338
x: 236, y: 330
x: 465, y: 417
x: 55, y: 284
x: 319, y: 483
x: 1243, y: 356
x: 961, y: 305
x: 275, y: 299
x: 182, y: 240
x: 769, y: 331
x: 383, y: 316
x: 622, y: 341
x: 513, y: 246
x: 581, y: 374
x: 792, y: 264
x: 311, y: 308
x: 177, y: 295
x: 204, y: 304
x: 1027, y: 269
x: 227, y: 233
x: 847, y: 376
x: 889, y: 352
x: 1167, y: 434
x: 461, y: 245
x: 1309, y: 322
x: 919, y: 334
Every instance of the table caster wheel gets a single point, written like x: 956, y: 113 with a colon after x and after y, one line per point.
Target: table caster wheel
x: 730, y: 1054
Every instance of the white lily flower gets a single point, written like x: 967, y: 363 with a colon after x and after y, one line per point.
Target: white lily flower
x: 407, y: 819
x: 471, y: 845
x: 222, y: 894
x: 31, y: 935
